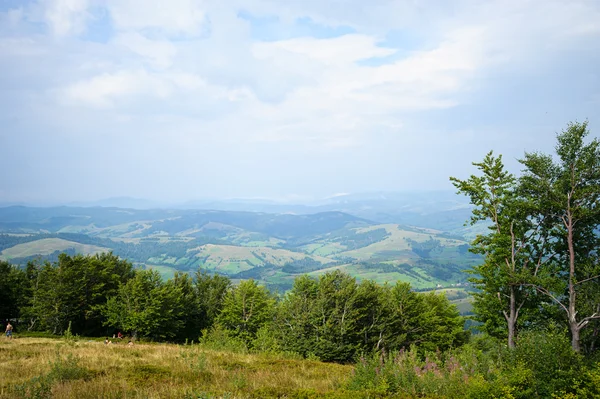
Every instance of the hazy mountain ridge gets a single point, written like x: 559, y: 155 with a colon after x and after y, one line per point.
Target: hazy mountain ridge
x: 270, y: 247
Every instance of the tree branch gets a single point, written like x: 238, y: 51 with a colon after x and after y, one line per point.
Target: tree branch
x: 546, y: 292
x: 586, y: 320
x: 587, y: 279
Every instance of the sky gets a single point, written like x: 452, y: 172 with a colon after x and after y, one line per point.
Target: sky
x: 291, y: 99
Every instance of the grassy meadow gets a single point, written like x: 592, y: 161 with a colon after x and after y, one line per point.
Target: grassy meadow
x: 56, y: 368
x: 47, y: 246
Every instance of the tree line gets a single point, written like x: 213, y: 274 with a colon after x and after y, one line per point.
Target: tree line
x: 332, y: 317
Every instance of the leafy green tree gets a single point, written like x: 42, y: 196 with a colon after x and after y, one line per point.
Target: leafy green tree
x: 296, y: 317
x: 246, y: 309
x: 210, y: 293
x: 14, y: 291
x: 336, y: 317
x: 407, y: 317
x: 72, y: 290
x: 514, y: 248
x: 444, y: 328
x: 49, y: 307
x: 146, y: 306
x: 190, y: 320
x: 373, y: 303
x: 569, y: 190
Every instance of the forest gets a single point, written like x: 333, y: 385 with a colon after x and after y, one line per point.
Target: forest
x: 534, y: 332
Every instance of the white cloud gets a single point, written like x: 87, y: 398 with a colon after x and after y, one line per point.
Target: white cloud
x: 160, y: 53
x: 173, y: 17
x: 102, y: 90
x: 208, y: 90
x: 336, y: 51
x: 66, y: 17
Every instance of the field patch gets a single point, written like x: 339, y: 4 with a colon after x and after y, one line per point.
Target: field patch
x: 47, y: 246
x: 161, y: 371
x: 398, y: 240
x: 231, y: 259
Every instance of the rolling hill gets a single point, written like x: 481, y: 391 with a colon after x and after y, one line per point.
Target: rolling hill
x: 270, y: 247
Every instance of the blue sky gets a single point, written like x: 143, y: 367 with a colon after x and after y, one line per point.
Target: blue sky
x: 190, y: 99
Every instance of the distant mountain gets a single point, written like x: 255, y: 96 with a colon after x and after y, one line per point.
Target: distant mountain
x: 121, y: 202
x: 269, y: 247
x: 442, y: 210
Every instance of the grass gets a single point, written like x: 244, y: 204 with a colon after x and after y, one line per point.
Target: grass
x: 396, y: 241
x: 47, y: 246
x: 233, y: 259
x: 165, y: 272
x: 45, y: 367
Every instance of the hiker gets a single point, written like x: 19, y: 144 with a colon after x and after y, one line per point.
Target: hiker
x: 119, y: 335
x: 9, y: 330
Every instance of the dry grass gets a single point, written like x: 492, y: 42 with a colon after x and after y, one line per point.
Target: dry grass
x: 157, y: 371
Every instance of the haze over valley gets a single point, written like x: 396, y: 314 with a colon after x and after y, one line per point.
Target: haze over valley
x: 419, y: 238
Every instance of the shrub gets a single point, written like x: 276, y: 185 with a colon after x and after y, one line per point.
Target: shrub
x: 552, y: 366
x: 68, y: 369
x: 220, y: 338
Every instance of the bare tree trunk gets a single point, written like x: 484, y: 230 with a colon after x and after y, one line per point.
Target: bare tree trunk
x: 571, y: 312
x: 511, y: 318
x: 575, y: 337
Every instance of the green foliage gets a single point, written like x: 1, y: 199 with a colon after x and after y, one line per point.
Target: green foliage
x: 246, y: 308
x: 266, y: 340
x: 220, y: 338
x: 552, y: 364
x: 334, y: 318
x: 147, y: 306
x: 210, y: 292
x: 511, y: 249
x: 543, y: 365
x: 14, y: 291
x: 568, y: 189
x: 541, y: 249
x: 67, y: 369
x: 61, y: 370
x: 36, y: 388
x: 68, y: 336
x: 73, y: 290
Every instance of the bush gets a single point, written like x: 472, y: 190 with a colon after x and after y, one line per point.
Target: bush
x: 542, y: 365
x: 266, y: 341
x: 552, y: 366
x: 61, y: 370
x: 36, y: 388
x: 220, y: 338
x: 68, y: 369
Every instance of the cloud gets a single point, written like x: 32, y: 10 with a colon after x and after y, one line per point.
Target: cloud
x: 176, y: 17
x: 334, y: 87
x: 66, y: 17
x: 158, y: 53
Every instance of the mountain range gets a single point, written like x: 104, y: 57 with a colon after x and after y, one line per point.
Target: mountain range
x: 420, y: 238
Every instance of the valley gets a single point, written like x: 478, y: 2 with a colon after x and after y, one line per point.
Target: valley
x: 272, y: 248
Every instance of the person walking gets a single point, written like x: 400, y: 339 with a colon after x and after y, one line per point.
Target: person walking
x: 9, y: 330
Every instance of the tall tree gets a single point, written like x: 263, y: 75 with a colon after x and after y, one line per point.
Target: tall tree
x: 14, y: 291
x: 246, y: 309
x: 569, y: 188
x: 513, y: 245
x: 210, y: 292
x: 71, y: 291
x: 146, y: 306
x: 336, y: 315
x: 295, y: 317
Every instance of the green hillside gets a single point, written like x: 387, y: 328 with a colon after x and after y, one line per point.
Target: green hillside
x: 47, y: 246
x: 272, y: 248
